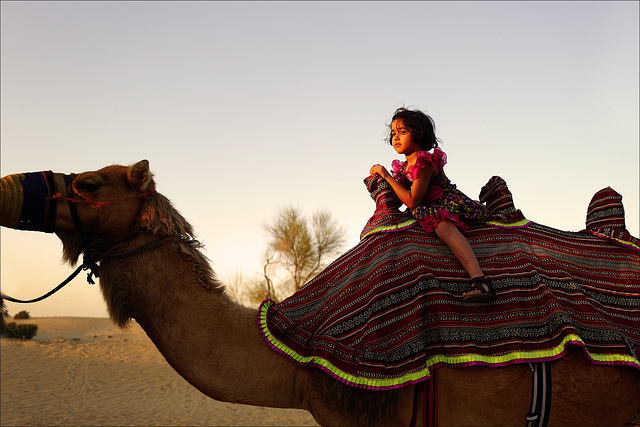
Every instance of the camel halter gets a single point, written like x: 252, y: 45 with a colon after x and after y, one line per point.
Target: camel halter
x: 92, y: 256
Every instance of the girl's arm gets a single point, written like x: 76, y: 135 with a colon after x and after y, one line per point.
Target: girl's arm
x: 412, y: 197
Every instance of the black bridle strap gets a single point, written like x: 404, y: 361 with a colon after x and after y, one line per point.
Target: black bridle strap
x: 73, y: 210
x: 140, y: 249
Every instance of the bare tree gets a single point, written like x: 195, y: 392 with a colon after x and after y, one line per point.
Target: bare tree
x: 298, y: 248
x: 258, y: 289
x: 249, y: 290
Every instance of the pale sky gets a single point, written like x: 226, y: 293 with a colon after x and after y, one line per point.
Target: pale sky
x: 243, y: 108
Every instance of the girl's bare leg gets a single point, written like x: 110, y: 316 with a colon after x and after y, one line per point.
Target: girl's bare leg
x: 461, y: 248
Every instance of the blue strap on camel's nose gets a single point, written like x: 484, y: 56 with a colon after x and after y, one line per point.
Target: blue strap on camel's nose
x: 25, y: 203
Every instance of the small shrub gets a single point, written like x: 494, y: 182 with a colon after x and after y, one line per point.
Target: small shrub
x: 22, y: 315
x: 24, y: 330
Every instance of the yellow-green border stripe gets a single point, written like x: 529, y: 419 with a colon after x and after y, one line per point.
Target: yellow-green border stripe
x: 463, y: 360
x: 389, y: 228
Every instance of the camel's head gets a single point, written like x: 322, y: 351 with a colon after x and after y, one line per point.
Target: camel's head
x: 110, y: 204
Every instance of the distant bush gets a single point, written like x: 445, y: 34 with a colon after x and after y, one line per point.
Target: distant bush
x: 25, y: 331
x: 22, y: 315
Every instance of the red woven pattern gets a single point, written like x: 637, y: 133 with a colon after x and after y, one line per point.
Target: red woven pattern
x: 393, y: 304
x: 390, y: 310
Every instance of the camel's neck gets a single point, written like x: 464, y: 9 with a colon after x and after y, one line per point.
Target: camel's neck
x: 214, y: 343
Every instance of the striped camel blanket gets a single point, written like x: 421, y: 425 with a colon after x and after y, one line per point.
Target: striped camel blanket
x: 390, y: 310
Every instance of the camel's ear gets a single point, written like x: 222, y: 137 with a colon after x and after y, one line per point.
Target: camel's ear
x: 140, y: 177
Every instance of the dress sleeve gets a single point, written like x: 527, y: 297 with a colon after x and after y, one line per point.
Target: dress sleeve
x: 396, y: 168
x: 438, y: 159
x: 397, y: 171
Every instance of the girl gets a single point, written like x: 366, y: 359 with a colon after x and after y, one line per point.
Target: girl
x: 420, y: 183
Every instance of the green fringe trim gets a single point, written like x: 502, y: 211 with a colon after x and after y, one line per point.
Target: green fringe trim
x: 622, y: 242
x: 440, y: 360
x: 517, y: 224
x: 410, y: 222
x: 390, y: 228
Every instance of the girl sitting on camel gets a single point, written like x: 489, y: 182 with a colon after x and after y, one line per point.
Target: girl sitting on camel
x: 420, y: 183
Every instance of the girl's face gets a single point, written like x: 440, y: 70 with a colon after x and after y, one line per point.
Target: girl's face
x: 402, y: 139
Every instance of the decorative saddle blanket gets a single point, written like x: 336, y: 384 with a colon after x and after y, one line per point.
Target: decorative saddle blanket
x: 390, y: 310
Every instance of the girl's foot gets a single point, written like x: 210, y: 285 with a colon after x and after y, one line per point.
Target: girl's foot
x: 480, y: 291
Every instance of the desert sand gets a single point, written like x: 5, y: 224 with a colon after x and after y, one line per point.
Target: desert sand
x: 88, y: 372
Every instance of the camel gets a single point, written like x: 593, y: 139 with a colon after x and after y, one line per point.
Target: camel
x: 152, y: 271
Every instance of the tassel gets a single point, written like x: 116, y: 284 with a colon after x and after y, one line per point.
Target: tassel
x: 90, y: 263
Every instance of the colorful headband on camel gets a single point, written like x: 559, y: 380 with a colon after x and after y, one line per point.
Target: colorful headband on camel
x: 25, y: 198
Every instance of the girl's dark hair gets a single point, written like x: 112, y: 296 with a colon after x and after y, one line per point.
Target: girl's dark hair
x: 421, y: 126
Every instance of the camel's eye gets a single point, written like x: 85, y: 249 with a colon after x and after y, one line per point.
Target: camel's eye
x: 87, y: 186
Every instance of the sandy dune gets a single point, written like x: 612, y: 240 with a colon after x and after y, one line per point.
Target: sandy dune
x: 87, y: 372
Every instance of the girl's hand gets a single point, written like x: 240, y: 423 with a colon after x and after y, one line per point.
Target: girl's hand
x: 380, y: 170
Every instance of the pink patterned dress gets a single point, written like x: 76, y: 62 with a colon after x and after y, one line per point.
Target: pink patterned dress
x: 442, y: 201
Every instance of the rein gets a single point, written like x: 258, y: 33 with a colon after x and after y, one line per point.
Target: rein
x: 90, y: 262
x: 84, y: 266
x: 91, y: 256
